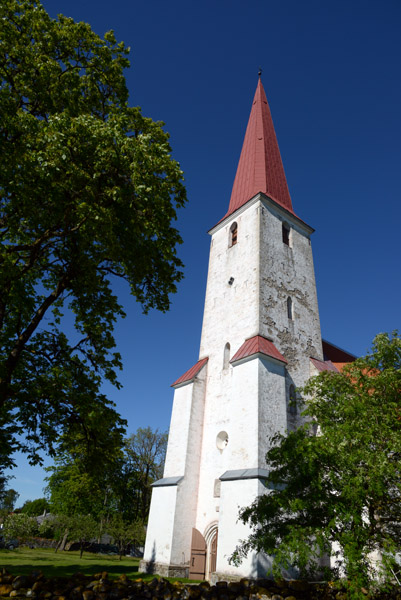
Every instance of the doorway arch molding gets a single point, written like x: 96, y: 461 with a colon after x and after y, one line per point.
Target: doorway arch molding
x: 210, y: 536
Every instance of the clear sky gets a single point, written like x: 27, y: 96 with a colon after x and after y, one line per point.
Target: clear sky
x: 331, y: 72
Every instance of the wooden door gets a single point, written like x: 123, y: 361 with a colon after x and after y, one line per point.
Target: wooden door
x: 213, y: 553
x: 197, y: 563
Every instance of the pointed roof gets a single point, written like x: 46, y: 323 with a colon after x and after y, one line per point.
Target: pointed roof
x: 257, y: 345
x: 191, y: 373
x: 260, y: 168
x: 324, y: 365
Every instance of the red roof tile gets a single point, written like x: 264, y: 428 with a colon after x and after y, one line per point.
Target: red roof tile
x: 260, y: 168
x: 324, y: 365
x: 255, y: 345
x: 191, y: 373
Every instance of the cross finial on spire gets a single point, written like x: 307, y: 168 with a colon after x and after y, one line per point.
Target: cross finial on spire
x: 260, y: 72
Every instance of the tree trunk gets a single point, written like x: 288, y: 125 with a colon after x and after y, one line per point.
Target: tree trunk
x: 63, y: 542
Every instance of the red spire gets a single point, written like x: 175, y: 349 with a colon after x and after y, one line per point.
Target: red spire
x: 260, y: 168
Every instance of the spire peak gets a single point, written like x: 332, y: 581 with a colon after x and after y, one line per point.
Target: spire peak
x: 260, y: 168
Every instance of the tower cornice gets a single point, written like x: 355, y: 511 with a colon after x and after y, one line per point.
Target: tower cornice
x: 269, y: 202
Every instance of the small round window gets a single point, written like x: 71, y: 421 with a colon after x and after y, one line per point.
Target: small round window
x: 222, y: 440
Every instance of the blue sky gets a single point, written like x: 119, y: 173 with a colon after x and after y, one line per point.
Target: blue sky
x: 331, y: 72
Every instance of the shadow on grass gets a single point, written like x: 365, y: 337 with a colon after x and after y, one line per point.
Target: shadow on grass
x: 71, y: 569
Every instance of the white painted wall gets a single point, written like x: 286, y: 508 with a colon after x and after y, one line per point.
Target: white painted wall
x: 160, y: 529
x: 235, y: 495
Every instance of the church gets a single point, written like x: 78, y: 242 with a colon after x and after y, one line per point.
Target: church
x: 260, y: 341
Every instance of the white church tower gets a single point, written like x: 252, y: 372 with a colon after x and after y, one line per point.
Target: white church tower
x: 260, y: 329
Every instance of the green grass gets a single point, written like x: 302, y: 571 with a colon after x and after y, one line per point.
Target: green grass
x: 64, y: 564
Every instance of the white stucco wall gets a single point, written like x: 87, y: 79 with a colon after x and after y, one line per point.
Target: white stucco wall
x: 160, y: 529
x: 235, y: 495
x: 187, y: 498
x: 287, y: 271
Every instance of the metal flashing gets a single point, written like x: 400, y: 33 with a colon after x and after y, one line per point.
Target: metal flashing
x: 244, y: 474
x: 167, y: 481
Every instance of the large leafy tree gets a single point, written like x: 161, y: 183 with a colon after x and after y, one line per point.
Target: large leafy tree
x: 83, y: 478
x: 108, y: 480
x: 335, y: 483
x: 88, y: 193
x: 145, y: 453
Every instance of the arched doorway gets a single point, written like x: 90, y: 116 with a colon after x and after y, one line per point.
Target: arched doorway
x: 211, y: 537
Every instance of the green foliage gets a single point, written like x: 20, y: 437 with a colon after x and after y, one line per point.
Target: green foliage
x: 35, y: 508
x: 124, y: 533
x: 144, y: 456
x: 74, y: 528
x: 113, y: 479
x: 19, y: 526
x: 82, y: 529
x: 8, y: 498
x: 83, y: 476
x: 88, y: 193
x: 337, y: 478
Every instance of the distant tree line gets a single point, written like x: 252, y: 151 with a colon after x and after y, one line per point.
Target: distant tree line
x: 90, y: 493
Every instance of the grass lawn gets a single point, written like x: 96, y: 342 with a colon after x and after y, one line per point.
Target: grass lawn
x: 64, y: 564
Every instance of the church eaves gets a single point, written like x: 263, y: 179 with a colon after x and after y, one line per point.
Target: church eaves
x: 191, y: 373
x: 257, y: 345
x: 260, y: 168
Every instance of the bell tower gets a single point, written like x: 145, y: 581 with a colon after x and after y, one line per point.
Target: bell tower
x: 260, y: 329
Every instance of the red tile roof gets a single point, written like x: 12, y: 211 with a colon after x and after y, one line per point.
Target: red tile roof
x: 340, y: 365
x: 260, y: 168
x: 255, y: 345
x: 324, y: 365
x: 191, y: 373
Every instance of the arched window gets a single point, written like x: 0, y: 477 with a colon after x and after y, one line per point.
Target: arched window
x: 286, y: 234
x: 226, y: 361
x: 292, y: 400
x: 289, y: 308
x: 233, y: 234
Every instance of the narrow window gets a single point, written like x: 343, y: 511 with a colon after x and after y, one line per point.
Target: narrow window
x: 233, y: 234
x: 226, y: 361
x: 289, y: 308
x: 293, y: 401
x: 286, y: 235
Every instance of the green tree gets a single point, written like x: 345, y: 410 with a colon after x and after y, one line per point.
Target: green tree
x: 82, y: 529
x: 88, y: 193
x: 8, y: 497
x: 83, y: 477
x: 124, y: 533
x: 78, y: 528
x: 104, y: 480
x: 19, y: 526
x: 35, y: 508
x: 8, y: 500
x: 145, y: 453
x: 337, y: 478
